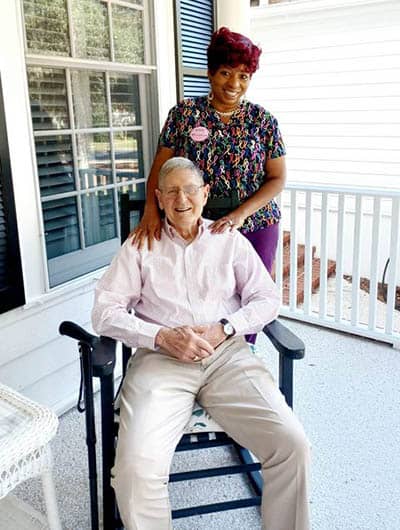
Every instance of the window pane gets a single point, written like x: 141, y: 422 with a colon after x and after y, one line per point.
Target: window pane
x: 99, y: 216
x: 128, y: 35
x: 48, y: 97
x: 55, y: 164
x: 46, y: 25
x: 94, y: 159
x: 125, y: 100
x: 128, y: 156
x: 89, y: 96
x: 91, y: 29
x: 61, y: 226
x: 137, y: 2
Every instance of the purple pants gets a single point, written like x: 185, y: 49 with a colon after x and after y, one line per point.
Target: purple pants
x: 264, y: 242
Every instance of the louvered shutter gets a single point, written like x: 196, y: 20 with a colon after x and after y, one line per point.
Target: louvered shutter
x: 195, y: 24
x: 11, y: 284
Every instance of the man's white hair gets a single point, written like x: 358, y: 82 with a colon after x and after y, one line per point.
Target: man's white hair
x: 178, y: 162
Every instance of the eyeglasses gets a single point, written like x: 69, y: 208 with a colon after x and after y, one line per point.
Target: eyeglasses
x: 172, y: 193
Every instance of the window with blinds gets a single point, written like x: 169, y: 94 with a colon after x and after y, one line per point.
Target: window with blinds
x: 88, y: 78
x: 11, y: 281
x: 195, y: 25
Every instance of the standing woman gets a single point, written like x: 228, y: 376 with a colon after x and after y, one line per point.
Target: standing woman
x: 237, y: 144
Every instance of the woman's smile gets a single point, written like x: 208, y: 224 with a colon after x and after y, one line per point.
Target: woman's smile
x: 228, y: 85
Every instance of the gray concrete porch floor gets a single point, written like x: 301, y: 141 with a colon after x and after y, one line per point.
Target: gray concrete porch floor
x: 347, y: 395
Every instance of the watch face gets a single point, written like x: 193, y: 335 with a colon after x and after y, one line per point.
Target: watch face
x: 228, y: 329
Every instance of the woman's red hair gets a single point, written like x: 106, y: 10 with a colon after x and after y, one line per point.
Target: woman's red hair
x: 232, y: 49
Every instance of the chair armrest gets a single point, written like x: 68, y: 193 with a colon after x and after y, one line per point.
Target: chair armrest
x: 290, y: 347
x: 102, y: 348
x: 284, y: 340
x: 72, y: 330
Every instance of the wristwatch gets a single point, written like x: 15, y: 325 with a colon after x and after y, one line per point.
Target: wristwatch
x: 229, y: 330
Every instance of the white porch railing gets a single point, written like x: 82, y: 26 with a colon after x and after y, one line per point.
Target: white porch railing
x: 359, y: 230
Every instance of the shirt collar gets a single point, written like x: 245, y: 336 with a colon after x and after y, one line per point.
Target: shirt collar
x: 173, y: 234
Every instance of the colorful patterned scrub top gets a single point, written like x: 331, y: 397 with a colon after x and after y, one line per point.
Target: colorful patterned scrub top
x: 231, y: 155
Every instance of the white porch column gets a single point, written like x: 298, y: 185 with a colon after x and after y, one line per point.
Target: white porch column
x: 165, y: 53
x: 234, y: 14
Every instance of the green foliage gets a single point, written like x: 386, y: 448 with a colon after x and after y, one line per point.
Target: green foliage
x: 46, y: 24
x: 47, y: 31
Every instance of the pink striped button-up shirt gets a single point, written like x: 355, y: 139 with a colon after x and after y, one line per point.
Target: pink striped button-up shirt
x: 215, y: 276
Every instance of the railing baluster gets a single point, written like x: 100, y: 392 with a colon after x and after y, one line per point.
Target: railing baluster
x: 293, y: 251
x: 339, y: 258
x: 355, y: 282
x: 308, y: 254
x: 393, y: 266
x: 323, y: 257
x: 279, y: 251
x: 373, y: 281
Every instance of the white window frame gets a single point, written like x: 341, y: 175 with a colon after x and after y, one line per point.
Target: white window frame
x: 58, y: 270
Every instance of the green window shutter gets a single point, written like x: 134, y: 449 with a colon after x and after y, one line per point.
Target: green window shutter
x: 195, y: 25
x: 11, y: 283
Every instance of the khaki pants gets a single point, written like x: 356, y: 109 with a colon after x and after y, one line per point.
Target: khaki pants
x: 235, y: 387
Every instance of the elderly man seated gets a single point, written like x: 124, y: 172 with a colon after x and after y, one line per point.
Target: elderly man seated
x: 186, y: 306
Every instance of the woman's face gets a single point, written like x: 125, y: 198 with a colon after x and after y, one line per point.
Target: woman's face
x: 229, y: 84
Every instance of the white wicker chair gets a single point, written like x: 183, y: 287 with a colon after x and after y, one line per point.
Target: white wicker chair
x: 26, y: 429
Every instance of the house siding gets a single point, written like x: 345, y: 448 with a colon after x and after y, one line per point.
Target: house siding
x: 331, y: 75
x: 34, y: 358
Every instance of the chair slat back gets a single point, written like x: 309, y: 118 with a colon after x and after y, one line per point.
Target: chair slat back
x: 127, y: 207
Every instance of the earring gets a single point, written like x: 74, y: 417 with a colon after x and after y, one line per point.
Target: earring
x: 210, y: 96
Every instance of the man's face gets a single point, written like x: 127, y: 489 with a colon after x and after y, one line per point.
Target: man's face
x: 182, y: 196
